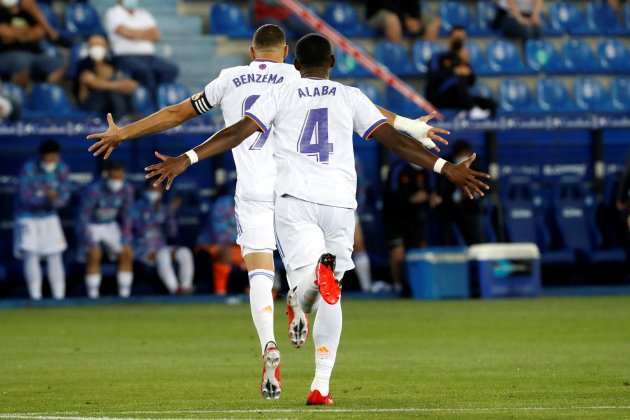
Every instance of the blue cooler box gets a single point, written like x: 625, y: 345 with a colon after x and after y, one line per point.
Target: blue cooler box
x: 438, y: 273
x: 506, y: 270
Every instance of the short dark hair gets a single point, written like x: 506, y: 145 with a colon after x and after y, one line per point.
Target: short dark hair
x: 313, y: 50
x: 114, y: 165
x: 269, y: 36
x: 457, y: 28
x: 49, y: 146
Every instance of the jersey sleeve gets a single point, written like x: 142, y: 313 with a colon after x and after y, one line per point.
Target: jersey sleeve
x: 211, y: 96
x: 264, y: 110
x: 366, y: 117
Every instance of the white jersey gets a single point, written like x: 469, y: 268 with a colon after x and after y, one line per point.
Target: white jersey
x: 313, y: 121
x: 235, y: 91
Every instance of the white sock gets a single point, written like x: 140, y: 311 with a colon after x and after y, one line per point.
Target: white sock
x: 306, y: 292
x: 125, y: 279
x: 326, y: 335
x: 56, y: 276
x: 33, y: 275
x: 93, y: 284
x: 165, y: 269
x: 362, y: 268
x: 261, y: 304
x: 184, y: 259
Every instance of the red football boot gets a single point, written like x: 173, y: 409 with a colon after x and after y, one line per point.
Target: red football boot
x: 315, y: 398
x: 329, y: 287
x: 270, y: 386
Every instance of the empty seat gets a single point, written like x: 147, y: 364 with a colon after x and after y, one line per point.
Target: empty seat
x: 601, y: 18
x: 14, y: 93
x: 455, y: 13
x: 620, y: 93
x: 482, y: 89
x: 478, y: 60
x: 578, y: 57
x: 171, y: 93
x: 503, y: 57
x: 50, y: 15
x: 395, y: 57
x: 141, y: 101
x: 565, y: 17
x: 542, y: 56
x: 344, y: 18
x: 83, y: 20
x: 514, y: 97
x: 552, y: 95
x: 590, y: 95
x: 228, y: 19
x: 613, y: 56
x: 486, y: 15
x: 50, y: 101
x: 347, y: 66
x: 77, y: 53
x: 422, y: 51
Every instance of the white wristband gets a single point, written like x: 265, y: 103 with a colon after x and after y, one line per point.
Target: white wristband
x: 192, y: 155
x: 439, y: 164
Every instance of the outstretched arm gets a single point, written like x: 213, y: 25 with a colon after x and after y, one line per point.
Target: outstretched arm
x: 224, y: 140
x: 166, y: 118
x: 412, y: 152
x: 418, y: 129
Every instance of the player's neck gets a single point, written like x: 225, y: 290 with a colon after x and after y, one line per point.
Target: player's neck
x: 268, y: 57
x: 314, y: 73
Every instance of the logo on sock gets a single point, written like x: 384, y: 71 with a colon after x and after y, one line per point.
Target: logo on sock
x: 266, y: 309
x: 323, y: 350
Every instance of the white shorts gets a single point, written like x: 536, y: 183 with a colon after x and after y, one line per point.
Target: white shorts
x: 307, y: 230
x: 254, y: 222
x: 108, y: 235
x: 39, y: 235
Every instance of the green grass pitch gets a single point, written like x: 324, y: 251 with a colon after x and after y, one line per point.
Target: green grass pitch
x: 541, y: 358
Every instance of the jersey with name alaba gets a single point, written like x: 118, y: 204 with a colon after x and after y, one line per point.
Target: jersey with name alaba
x: 235, y: 91
x: 313, y: 121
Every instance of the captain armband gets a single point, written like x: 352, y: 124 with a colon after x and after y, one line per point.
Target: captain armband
x: 200, y: 103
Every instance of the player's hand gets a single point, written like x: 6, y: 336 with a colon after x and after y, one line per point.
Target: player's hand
x: 462, y: 175
x: 433, y: 134
x: 168, y: 170
x: 107, y: 141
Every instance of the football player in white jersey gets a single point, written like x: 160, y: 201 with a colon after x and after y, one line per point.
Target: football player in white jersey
x: 313, y: 119
x: 235, y: 91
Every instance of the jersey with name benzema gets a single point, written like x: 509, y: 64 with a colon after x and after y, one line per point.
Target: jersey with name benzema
x: 235, y: 91
x: 313, y: 122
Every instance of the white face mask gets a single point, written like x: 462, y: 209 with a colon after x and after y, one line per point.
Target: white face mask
x: 97, y: 52
x: 115, y: 185
x: 48, y: 167
x: 10, y: 3
x: 130, y: 4
x: 153, y: 196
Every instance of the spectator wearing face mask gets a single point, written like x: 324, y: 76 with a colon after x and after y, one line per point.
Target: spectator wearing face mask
x: 450, y: 78
x: 133, y: 32
x: 21, y: 56
x: 105, y: 224
x: 153, y: 224
x: 455, y: 208
x: 99, y: 86
x: 44, y: 189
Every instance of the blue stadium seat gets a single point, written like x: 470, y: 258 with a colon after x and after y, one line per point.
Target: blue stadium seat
x: 77, y: 53
x: 565, y: 17
x: 400, y: 105
x: 590, y: 95
x: 553, y: 96
x: 542, y: 56
x: 14, y: 93
x: 82, y: 19
x: 171, y: 94
x: 141, y: 101
x: 229, y: 20
x: 578, y: 57
x: 344, y: 18
x: 347, y: 66
x: 422, y: 51
x: 455, y: 13
x: 626, y: 16
x: 514, y: 97
x: 504, y: 58
x: 620, y: 93
x: 50, y: 101
x: 478, y: 59
x: 371, y: 92
x: 50, y: 15
x: 482, y: 89
x: 614, y: 56
x: 601, y: 18
x: 395, y: 57
x: 486, y: 15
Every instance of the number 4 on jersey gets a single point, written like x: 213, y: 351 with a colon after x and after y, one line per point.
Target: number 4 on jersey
x: 316, y: 124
